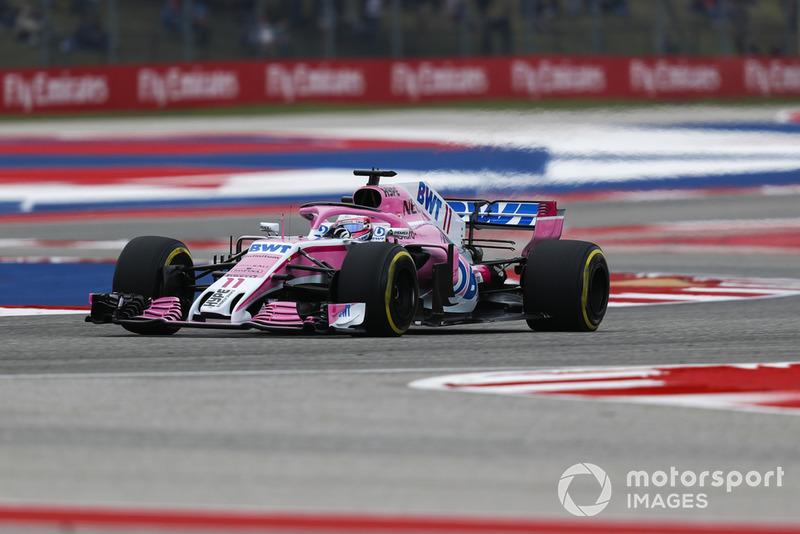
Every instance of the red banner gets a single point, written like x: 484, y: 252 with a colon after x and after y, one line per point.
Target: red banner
x: 186, y: 85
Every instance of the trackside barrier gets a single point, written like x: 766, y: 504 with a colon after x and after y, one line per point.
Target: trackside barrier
x: 188, y: 85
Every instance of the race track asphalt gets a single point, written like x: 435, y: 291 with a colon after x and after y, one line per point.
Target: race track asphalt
x: 95, y: 415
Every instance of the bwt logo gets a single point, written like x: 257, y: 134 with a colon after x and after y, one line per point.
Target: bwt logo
x: 270, y: 247
x: 345, y: 312
x: 429, y: 200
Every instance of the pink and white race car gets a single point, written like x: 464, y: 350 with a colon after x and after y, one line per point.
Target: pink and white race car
x: 376, y: 263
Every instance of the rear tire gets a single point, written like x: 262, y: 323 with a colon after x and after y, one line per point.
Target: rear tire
x: 384, y: 277
x: 569, y: 281
x: 140, y: 270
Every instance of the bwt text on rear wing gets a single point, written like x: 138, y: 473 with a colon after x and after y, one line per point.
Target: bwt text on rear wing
x: 542, y: 217
x: 521, y: 215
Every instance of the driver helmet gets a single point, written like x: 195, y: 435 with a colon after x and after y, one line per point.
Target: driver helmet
x: 351, y: 227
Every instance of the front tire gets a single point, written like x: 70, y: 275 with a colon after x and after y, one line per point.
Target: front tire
x: 140, y: 270
x: 384, y: 277
x: 569, y: 281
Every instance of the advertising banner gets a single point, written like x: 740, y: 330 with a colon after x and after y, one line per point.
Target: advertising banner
x: 191, y: 85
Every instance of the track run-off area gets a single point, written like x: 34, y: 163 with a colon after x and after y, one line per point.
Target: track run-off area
x: 680, y: 414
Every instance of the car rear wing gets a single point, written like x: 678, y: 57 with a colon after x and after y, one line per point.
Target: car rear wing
x: 542, y: 217
x: 507, y: 214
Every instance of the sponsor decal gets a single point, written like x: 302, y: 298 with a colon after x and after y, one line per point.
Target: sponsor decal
x: 301, y: 80
x: 218, y: 298
x: 549, y: 78
x: 503, y: 213
x: 770, y: 77
x: 390, y: 191
x: 179, y: 85
x: 48, y: 90
x: 757, y: 387
x: 379, y: 231
x: 465, y: 284
x: 440, y: 211
x: 346, y: 315
x: 430, y: 200
x: 428, y: 80
x: 253, y: 266
x: 667, y: 77
x: 262, y: 248
x: 409, y: 208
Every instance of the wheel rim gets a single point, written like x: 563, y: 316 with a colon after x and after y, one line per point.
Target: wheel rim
x: 180, y: 257
x: 403, y: 297
x: 597, y: 300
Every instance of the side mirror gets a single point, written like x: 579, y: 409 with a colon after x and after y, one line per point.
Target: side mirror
x: 270, y: 228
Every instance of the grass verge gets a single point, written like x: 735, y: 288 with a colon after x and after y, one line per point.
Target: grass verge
x: 472, y: 105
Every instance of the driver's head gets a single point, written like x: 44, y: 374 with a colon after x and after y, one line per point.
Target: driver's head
x: 351, y: 227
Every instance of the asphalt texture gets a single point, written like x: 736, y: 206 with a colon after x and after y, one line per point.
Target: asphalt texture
x: 96, y: 415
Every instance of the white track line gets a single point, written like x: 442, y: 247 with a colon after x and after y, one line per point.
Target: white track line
x: 249, y: 373
x: 26, y: 312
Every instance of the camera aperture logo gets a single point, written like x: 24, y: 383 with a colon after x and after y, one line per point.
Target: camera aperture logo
x: 663, y: 489
x: 581, y: 470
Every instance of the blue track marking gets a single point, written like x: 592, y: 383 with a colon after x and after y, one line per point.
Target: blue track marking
x: 53, y: 284
x: 56, y: 284
x: 748, y: 127
x: 490, y: 171
x: 516, y: 185
x: 506, y: 160
x: 733, y: 180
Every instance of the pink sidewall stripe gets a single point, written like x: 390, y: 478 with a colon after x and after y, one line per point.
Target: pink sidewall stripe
x: 320, y: 522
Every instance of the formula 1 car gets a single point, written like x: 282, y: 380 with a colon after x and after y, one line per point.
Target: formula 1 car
x: 376, y: 263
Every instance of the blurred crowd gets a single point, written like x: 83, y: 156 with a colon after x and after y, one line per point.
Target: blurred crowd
x: 278, y: 23
x: 736, y: 13
x: 27, y: 23
x: 282, y: 28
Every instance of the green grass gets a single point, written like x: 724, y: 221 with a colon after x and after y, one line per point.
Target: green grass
x: 487, y: 105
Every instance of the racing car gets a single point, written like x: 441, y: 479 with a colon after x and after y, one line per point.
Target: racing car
x: 375, y: 263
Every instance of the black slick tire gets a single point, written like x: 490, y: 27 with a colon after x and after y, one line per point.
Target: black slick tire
x: 569, y: 281
x: 140, y: 270
x: 384, y: 277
